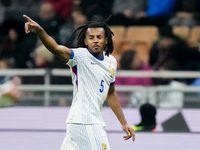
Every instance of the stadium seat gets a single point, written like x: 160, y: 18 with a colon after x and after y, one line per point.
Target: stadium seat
x: 194, y: 36
x: 181, y: 31
x: 142, y: 34
x: 139, y: 38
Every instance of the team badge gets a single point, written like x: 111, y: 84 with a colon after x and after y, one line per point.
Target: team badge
x: 104, y: 146
x: 111, y: 69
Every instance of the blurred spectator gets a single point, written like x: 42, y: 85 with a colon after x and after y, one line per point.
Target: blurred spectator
x: 76, y: 6
x: 193, y: 65
x: 148, y: 118
x: 41, y: 59
x: 131, y: 61
x: 170, y: 99
x: 65, y: 33
x: 14, y: 9
x: 156, y: 13
x: 99, y: 8
x: 129, y: 8
x: 125, y: 11
x: 155, y: 8
x: 10, y: 94
x: 186, y: 13
x: 13, y: 44
x: 168, y: 46
x: 49, y: 20
x: 61, y: 7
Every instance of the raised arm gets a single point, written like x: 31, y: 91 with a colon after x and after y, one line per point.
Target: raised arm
x: 60, y: 51
x: 113, y: 102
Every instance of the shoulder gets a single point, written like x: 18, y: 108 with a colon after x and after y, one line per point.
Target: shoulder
x: 79, y: 51
x: 111, y: 58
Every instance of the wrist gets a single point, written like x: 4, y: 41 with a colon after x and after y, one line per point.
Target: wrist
x: 39, y: 30
x: 124, y: 123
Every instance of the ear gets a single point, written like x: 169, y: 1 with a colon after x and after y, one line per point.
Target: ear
x: 85, y: 41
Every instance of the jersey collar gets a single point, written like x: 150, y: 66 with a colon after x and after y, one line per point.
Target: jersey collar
x: 101, y: 59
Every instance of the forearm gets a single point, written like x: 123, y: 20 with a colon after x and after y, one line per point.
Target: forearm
x: 62, y: 52
x: 48, y: 41
x: 114, y: 104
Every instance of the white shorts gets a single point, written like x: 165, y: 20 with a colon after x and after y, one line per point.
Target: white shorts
x: 85, y: 137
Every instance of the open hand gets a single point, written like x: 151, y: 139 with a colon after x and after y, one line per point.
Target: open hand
x: 31, y: 26
x: 129, y: 131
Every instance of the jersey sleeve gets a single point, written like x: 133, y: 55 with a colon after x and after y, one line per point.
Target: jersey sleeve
x: 76, y: 56
x: 114, y: 64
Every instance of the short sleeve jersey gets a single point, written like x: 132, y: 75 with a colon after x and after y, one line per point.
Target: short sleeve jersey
x: 91, y: 77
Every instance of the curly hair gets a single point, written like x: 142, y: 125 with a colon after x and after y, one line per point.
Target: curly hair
x: 96, y: 24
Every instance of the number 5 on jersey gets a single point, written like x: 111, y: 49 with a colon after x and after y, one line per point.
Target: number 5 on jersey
x: 102, y: 86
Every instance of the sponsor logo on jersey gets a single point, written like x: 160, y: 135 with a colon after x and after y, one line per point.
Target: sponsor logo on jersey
x: 93, y: 63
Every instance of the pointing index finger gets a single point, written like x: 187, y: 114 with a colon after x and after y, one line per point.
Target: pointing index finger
x: 29, y: 19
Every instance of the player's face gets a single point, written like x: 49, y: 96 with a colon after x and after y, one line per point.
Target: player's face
x: 96, y: 41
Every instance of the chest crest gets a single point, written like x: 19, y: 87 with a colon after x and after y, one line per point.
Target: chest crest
x: 112, y: 69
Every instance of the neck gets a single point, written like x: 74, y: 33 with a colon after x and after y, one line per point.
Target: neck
x: 98, y: 56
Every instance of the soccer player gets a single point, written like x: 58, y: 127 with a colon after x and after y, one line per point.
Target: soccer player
x: 93, y: 76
